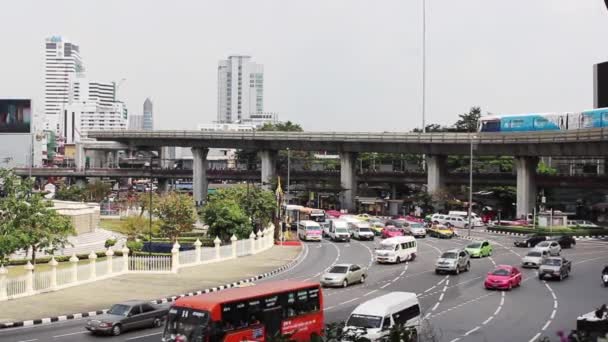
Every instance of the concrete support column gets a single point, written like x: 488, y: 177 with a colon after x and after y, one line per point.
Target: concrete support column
x: 199, y: 177
x: 163, y: 185
x: 348, y: 180
x: 436, y: 169
x: 79, y: 157
x: 526, y: 185
x: 269, y: 167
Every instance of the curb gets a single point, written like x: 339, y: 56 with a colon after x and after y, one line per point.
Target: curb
x: 62, y: 318
x: 582, y: 237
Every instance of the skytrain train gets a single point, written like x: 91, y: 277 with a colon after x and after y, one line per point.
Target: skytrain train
x: 595, y: 118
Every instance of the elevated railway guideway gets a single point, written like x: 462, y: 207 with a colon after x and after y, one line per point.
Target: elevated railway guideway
x: 525, y: 147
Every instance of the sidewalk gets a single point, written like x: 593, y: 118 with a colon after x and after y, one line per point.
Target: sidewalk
x: 102, y: 294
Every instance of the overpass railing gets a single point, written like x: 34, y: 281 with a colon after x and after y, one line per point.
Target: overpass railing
x: 593, y: 134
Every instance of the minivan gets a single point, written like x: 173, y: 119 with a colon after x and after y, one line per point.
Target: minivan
x: 397, y: 249
x: 338, y: 230
x: 309, y: 230
x: 374, y: 318
x: 361, y: 230
x: 476, y: 220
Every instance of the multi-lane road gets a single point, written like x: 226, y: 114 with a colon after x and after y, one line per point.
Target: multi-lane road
x: 456, y: 307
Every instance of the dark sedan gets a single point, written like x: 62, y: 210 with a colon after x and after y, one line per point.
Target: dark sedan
x: 565, y: 241
x: 530, y: 240
x: 129, y: 315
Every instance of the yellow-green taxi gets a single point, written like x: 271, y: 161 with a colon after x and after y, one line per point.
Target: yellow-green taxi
x: 440, y: 231
x: 479, y: 249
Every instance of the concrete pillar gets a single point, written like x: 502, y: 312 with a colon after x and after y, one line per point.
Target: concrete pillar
x: 393, y: 208
x: 166, y: 157
x: 175, y: 257
x: 269, y: 167
x: 217, y: 243
x: 233, y: 240
x: 163, y: 184
x: 436, y: 171
x: 199, y: 177
x: 79, y: 156
x: 125, y: 259
x: 197, y: 250
x: 348, y: 180
x: 526, y: 185
x: 29, y: 278
x: 3, y: 283
x: 393, y: 192
x: 53, y: 263
x: 110, y: 262
x: 92, y: 266
x: 252, y: 242
x: 74, y: 267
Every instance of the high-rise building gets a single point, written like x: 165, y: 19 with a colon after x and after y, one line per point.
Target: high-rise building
x: 240, y: 88
x: 136, y: 122
x: 62, y: 59
x: 148, y: 124
x: 90, y: 106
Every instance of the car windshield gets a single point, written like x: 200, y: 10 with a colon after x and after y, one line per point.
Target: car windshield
x: 341, y: 230
x: 474, y: 245
x: 416, y: 225
x: 399, y: 224
x: 552, y: 262
x: 364, y: 321
x: 501, y: 272
x: 185, y: 325
x: 119, y: 310
x: 313, y: 228
x: 533, y: 254
x: 364, y: 229
x: 338, y: 269
x: 393, y: 229
x: 449, y: 255
x: 386, y: 246
x: 543, y: 244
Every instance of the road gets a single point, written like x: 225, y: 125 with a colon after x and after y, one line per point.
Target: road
x: 457, y: 307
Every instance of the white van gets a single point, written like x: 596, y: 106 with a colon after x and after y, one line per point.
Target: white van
x: 397, y: 249
x: 456, y: 221
x: 309, y: 231
x: 361, y: 230
x: 376, y: 316
x: 338, y: 230
x: 475, y: 219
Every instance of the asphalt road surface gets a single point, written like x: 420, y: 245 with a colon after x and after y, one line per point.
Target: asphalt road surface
x: 456, y: 307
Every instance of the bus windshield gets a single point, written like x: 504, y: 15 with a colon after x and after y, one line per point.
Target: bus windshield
x: 184, y: 324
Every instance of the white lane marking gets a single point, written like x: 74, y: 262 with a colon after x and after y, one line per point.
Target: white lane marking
x: 142, y: 336
x: 555, y: 304
x: 487, y: 320
x: 35, y: 339
x: 535, y: 337
x: 546, y: 325
x: 497, y: 310
x: 402, y: 272
x: 396, y: 278
x: 441, y: 297
x: 349, y: 301
x: 329, y: 307
x: 385, y: 285
x: 492, y: 260
x: 553, y: 314
x: 371, y: 254
x: 370, y: 292
x: 471, y: 331
x: 427, y: 315
x: 70, y: 334
x: 456, y: 339
x: 447, y: 282
x: 332, y: 264
x: 430, y: 289
x: 435, y: 307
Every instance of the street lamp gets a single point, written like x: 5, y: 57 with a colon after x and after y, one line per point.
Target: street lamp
x: 471, y: 182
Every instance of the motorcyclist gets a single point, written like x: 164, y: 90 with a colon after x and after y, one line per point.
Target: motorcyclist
x: 605, y: 270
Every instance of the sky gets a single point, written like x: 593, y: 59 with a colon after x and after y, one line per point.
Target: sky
x: 330, y: 65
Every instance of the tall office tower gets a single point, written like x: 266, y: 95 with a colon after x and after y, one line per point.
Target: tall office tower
x: 240, y: 89
x: 148, y: 115
x: 136, y: 122
x: 62, y: 59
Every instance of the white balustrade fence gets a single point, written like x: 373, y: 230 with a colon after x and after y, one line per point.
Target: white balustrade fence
x: 78, y: 272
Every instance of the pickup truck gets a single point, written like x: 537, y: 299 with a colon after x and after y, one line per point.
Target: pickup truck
x: 555, y: 267
x: 129, y: 315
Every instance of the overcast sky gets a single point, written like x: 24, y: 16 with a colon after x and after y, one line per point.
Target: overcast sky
x: 329, y: 64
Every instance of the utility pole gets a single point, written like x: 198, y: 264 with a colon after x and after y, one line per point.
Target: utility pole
x: 471, y: 185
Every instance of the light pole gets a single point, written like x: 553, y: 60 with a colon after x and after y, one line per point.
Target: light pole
x: 423, y: 66
x: 471, y: 184
x: 288, y: 172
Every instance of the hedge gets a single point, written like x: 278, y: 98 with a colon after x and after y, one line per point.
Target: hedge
x: 555, y: 231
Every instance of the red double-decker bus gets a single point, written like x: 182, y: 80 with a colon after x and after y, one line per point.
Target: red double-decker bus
x: 248, y: 314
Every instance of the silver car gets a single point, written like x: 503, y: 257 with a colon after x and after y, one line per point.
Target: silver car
x: 454, y: 260
x: 534, y: 258
x: 344, y: 275
x: 129, y: 315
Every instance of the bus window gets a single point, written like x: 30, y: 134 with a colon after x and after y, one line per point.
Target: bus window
x: 302, y: 302
x: 540, y: 122
x: 605, y: 119
x: 490, y: 126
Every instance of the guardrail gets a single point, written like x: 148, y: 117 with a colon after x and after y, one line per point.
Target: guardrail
x: 33, y: 283
x: 581, y: 135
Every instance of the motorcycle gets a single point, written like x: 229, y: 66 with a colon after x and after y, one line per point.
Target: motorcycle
x: 605, y: 279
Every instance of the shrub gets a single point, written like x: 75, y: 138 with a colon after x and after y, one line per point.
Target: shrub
x: 135, y: 246
x: 110, y: 243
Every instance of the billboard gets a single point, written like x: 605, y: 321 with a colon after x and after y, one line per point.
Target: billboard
x: 15, y: 116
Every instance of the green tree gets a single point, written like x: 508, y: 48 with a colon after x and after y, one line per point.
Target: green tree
x: 257, y: 203
x: 70, y: 193
x: 28, y: 220
x: 137, y: 226
x: 281, y: 127
x: 226, y: 217
x: 468, y: 122
x: 544, y: 169
x: 97, y: 191
x: 431, y: 128
x: 176, y: 213
x: 144, y: 202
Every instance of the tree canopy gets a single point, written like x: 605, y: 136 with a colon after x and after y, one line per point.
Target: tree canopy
x: 176, y: 213
x: 287, y: 126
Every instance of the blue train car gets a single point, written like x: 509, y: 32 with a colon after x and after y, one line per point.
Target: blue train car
x: 595, y: 118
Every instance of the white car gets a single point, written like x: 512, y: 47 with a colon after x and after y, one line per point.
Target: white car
x: 439, y: 218
x: 416, y: 229
x: 534, y: 258
x: 456, y: 221
x: 552, y: 247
